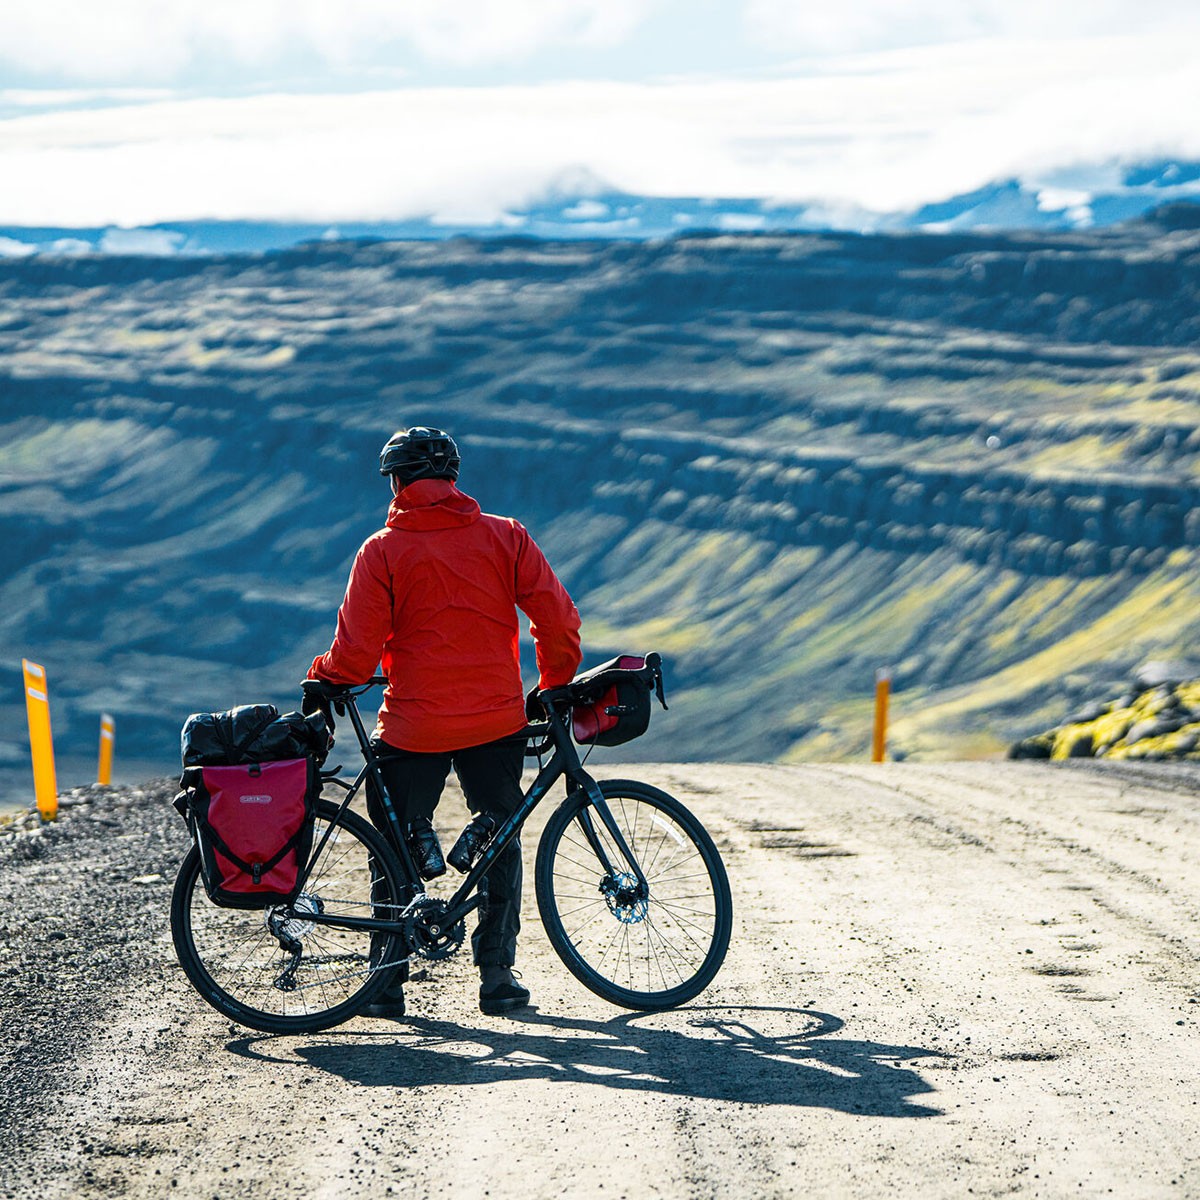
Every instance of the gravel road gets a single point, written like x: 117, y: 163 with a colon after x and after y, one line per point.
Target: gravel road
x: 944, y: 979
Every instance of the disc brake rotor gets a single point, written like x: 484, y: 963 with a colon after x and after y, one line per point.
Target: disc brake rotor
x: 621, y: 894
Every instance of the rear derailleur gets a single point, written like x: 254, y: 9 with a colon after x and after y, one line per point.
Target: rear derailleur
x: 288, y: 926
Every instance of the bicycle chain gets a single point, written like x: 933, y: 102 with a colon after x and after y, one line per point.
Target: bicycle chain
x: 285, y: 981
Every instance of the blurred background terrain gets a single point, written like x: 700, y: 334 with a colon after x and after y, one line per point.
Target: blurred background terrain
x: 783, y: 460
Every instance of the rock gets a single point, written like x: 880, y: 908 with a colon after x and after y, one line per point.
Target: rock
x: 1153, y: 727
x: 1169, y: 671
x: 1037, y: 747
x: 1186, y: 741
x: 1089, y: 712
x: 1162, y: 722
x: 1140, y: 730
x: 1081, y: 747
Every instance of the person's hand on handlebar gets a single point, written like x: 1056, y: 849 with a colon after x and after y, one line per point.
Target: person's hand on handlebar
x: 535, y: 710
x: 539, y: 700
x: 315, y: 697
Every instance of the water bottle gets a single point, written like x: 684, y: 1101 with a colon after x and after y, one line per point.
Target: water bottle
x: 424, y: 848
x: 471, y: 841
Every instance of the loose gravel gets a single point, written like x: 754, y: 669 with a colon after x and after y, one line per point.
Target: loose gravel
x: 944, y: 980
x: 83, y: 900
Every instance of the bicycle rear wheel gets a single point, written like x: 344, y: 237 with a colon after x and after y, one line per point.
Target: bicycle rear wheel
x: 237, y: 961
x: 650, y: 952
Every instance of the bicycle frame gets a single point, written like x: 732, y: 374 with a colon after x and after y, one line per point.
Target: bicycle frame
x: 564, y: 761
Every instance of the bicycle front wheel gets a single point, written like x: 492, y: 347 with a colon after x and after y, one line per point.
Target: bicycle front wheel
x: 237, y: 959
x: 651, y: 951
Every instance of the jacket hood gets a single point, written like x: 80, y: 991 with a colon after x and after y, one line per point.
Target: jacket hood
x: 431, y: 504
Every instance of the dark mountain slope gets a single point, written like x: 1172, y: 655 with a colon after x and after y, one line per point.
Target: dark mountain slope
x: 783, y: 461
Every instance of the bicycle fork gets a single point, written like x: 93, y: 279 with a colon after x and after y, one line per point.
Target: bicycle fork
x: 596, y: 797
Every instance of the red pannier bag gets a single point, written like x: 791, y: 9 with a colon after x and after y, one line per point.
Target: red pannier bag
x: 251, y: 782
x: 611, y: 702
x: 253, y: 826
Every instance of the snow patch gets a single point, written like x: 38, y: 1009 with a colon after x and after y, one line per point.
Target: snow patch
x: 11, y: 248
x: 159, y: 243
x: 68, y: 247
x: 741, y: 222
x: 586, y: 210
x: 1056, y: 199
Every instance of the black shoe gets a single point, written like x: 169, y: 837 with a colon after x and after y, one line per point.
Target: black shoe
x: 423, y: 845
x: 499, y: 992
x: 471, y: 841
x: 389, y: 1005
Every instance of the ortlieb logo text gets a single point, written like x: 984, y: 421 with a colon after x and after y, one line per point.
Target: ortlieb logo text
x: 256, y: 799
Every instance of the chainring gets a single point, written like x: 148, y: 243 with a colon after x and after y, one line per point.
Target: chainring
x: 425, y: 931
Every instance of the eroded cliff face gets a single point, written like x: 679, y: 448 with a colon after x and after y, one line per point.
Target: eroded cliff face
x: 782, y: 461
x: 1035, y: 524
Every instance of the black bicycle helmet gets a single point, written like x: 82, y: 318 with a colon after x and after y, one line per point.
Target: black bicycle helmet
x: 420, y: 453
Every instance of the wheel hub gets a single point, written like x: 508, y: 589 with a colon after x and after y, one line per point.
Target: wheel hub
x: 294, y: 927
x: 624, y: 898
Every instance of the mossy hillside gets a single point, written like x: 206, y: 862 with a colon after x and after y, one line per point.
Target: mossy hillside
x: 790, y: 642
x: 1161, y: 722
x: 1097, y: 643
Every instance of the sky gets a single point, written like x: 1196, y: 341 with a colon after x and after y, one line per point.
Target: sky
x: 131, y: 112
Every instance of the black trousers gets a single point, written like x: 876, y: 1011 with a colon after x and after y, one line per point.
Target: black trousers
x: 491, y: 781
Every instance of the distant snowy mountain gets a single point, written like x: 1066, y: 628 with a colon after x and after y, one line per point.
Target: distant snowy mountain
x: 580, y: 206
x: 1075, y: 198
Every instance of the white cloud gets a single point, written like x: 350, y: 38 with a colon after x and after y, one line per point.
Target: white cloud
x: 68, y: 97
x: 866, y: 25
x: 153, y: 40
x: 881, y: 132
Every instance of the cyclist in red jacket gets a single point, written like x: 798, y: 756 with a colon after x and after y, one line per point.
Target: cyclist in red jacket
x: 433, y: 597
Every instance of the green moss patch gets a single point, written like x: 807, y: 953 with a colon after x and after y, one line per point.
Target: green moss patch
x: 1161, y: 722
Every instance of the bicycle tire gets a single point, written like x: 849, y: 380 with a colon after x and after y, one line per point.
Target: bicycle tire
x: 675, y: 941
x: 235, y: 962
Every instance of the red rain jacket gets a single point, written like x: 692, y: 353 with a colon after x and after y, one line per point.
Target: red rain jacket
x: 433, y: 597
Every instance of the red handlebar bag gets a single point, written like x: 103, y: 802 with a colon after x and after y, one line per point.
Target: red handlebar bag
x: 611, y: 702
x: 253, y: 825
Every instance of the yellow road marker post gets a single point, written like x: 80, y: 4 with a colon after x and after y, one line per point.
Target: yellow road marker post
x: 883, y: 687
x: 108, y: 736
x: 41, y: 741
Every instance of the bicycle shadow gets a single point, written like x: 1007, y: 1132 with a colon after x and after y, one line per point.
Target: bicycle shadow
x: 723, y: 1055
